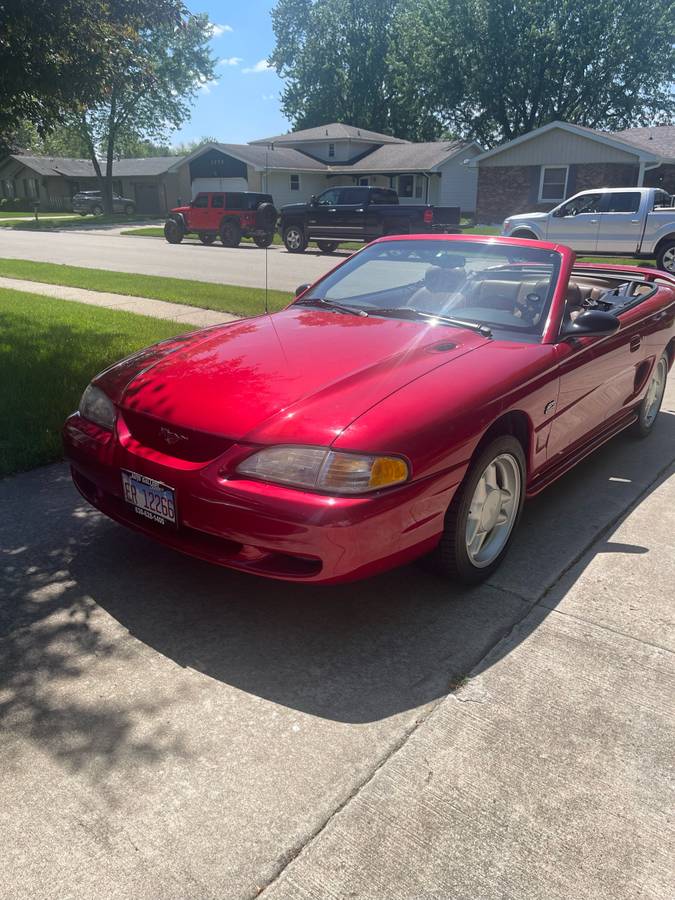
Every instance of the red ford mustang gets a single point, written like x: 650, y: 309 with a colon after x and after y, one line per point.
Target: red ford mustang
x: 405, y: 404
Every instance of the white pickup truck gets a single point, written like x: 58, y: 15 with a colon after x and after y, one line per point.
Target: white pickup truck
x: 636, y: 222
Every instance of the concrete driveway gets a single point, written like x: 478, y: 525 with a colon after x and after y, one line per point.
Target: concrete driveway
x: 244, y: 265
x: 174, y: 730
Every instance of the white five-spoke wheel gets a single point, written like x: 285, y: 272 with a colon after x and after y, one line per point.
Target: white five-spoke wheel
x: 482, y: 517
x: 651, y: 404
x: 493, y: 510
x: 665, y: 259
x: 294, y: 239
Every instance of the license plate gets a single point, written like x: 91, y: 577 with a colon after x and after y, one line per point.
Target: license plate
x: 151, y: 499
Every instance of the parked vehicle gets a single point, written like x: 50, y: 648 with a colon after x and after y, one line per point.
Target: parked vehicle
x: 231, y: 215
x: 91, y: 203
x: 384, y: 414
x: 357, y: 214
x: 636, y: 222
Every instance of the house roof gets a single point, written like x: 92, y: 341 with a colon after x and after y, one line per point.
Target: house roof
x: 332, y: 131
x: 84, y: 168
x: 405, y: 157
x: 605, y: 137
x: 658, y: 139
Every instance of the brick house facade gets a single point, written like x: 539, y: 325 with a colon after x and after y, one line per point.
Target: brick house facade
x: 562, y: 159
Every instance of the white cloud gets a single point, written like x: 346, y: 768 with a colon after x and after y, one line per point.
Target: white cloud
x: 261, y: 66
x: 269, y: 96
x: 230, y: 61
x: 205, y: 86
x: 218, y: 30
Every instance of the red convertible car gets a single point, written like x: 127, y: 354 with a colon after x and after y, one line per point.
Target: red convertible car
x: 405, y: 404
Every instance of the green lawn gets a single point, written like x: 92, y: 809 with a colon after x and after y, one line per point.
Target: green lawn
x: 240, y: 301
x: 46, y: 222
x: 26, y: 215
x: 49, y: 350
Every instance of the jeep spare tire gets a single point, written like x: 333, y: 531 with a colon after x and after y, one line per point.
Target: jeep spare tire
x: 173, y: 231
x: 266, y: 217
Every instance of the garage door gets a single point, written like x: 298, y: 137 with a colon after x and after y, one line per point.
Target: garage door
x: 147, y: 198
x: 218, y: 184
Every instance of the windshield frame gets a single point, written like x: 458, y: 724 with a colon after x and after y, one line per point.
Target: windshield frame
x: 559, y: 259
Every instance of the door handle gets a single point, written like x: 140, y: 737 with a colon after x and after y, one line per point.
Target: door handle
x: 635, y: 221
x: 635, y: 343
x: 332, y: 210
x: 594, y: 221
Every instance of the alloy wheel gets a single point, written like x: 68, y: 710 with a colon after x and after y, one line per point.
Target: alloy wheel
x: 493, y: 510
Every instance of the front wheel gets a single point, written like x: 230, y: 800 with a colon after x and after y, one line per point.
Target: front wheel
x: 295, y: 239
x: 97, y: 211
x: 665, y: 259
x: 263, y: 240
x: 651, y: 404
x: 482, y: 518
x: 525, y: 235
x: 173, y: 232
x: 207, y: 239
x: 327, y: 246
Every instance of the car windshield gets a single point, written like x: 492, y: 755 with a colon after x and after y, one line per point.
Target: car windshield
x: 496, y: 285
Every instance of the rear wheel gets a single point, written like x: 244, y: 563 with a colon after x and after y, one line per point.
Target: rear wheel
x: 97, y: 211
x: 173, y: 231
x: 327, y: 246
x: 230, y: 233
x: 665, y: 259
x: 263, y: 240
x: 482, y: 518
x: 295, y: 239
x: 650, y: 406
x: 207, y: 239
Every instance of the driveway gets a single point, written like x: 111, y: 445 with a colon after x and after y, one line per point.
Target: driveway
x: 244, y: 265
x: 173, y: 730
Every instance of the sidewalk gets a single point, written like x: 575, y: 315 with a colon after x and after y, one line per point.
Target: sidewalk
x: 144, y: 306
x: 547, y: 775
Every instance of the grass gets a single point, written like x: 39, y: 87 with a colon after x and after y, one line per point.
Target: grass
x: 74, y: 222
x: 49, y: 350
x: 26, y: 215
x: 240, y: 301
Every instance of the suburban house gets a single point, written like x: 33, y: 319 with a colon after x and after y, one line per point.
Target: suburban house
x: 538, y: 170
x: 291, y: 167
x: 52, y: 181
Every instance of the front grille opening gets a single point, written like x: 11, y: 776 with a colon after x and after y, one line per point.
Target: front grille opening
x: 173, y: 440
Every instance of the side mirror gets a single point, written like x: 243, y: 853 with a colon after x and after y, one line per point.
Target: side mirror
x: 300, y: 289
x: 591, y: 323
x: 558, y: 213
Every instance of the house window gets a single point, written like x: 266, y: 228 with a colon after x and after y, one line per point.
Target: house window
x: 295, y: 182
x: 31, y: 188
x: 8, y: 188
x: 364, y: 182
x: 406, y: 185
x: 553, y: 184
x: 331, y: 150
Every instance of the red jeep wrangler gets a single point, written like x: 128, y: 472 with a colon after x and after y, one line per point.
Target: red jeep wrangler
x: 230, y: 215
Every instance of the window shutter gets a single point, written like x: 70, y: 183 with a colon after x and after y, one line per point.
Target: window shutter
x: 535, y: 176
x: 571, y: 181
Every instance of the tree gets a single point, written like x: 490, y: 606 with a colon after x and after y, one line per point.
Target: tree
x: 333, y: 55
x: 495, y: 69
x: 157, y: 76
x: 56, y: 55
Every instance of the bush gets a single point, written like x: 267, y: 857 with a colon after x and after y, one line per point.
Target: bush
x: 16, y: 204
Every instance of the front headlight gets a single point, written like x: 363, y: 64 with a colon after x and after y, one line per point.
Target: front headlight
x: 97, y: 407
x: 320, y: 469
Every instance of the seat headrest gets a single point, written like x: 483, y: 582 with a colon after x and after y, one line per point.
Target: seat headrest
x: 439, y: 280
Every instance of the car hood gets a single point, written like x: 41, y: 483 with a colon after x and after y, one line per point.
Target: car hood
x: 527, y: 217
x: 301, y: 375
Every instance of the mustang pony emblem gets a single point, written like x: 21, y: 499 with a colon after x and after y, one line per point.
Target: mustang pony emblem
x: 172, y: 437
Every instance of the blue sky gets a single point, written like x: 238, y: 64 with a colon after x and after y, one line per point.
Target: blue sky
x: 244, y: 103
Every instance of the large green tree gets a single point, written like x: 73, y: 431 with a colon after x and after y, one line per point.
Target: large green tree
x: 158, y: 74
x: 57, y: 54
x: 486, y: 69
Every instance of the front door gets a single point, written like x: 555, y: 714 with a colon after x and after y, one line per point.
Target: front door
x: 322, y: 215
x: 199, y: 213
x: 576, y: 223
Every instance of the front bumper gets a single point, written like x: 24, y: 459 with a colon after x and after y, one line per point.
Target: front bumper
x: 262, y: 528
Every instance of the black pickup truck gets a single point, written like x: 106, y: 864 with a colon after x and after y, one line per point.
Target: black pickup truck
x: 357, y: 214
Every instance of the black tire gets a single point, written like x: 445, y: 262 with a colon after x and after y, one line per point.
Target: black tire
x: 230, y: 233
x: 173, y: 231
x: 665, y: 259
x: 327, y: 246
x: 129, y: 210
x: 97, y: 211
x: 451, y: 558
x: 83, y: 214
x: 207, y: 239
x: 648, y: 411
x: 263, y: 240
x: 266, y: 216
x: 295, y: 238
x: 525, y: 235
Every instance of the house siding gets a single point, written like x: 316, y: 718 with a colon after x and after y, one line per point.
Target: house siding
x: 559, y: 147
x: 507, y: 190
x: 459, y: 182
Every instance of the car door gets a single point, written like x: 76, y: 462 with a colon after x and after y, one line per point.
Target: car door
x: 621, y: 221
x: 576, y: 223
x: 352, y: 211
x: 597, y: 378
x: 199, y: 213
x: 322, y: 214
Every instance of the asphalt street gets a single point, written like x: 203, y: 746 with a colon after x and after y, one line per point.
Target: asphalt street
x: 244, y: 265
x: 171, y: 729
